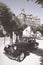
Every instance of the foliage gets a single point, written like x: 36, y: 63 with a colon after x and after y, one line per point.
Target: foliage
x: 42, y: 29
x: 8, y: 20
x: 15, y: 25
x: 5, y: 16
x: 21, y: 28
x: 39, y: 28
x: 38, y: 2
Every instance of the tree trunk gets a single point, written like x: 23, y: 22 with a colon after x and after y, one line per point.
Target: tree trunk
x: 17, y: 38
x: 4, y: 40
x: 11, y: 38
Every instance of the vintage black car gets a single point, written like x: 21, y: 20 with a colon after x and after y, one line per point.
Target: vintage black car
x: 21, y: 48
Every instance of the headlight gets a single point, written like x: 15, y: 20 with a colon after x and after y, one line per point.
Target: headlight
x: 6, y: 46
x: 15, y: 47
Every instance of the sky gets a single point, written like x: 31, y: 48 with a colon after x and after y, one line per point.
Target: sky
x: 30, y: 7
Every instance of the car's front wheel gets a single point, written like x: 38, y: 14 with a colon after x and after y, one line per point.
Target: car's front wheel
x: 21, y: 57
x: 36, y: 45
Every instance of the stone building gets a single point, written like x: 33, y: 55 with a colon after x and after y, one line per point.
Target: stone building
x: 28, y: 19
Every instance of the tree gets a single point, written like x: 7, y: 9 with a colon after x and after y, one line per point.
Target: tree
x: 21, y: 28
x: 5, y: 17
x: 8, y: 20
x: 18, y: 26
x: 41, y: 29
x: 38, y: 28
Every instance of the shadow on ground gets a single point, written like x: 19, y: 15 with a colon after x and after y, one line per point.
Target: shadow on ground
x: 39, y: 52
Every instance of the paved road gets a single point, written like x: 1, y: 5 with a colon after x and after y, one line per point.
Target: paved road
x: 35, y: 57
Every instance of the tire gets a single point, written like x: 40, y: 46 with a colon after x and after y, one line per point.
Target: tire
x: 36, y: 45
x: 21, y: 57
